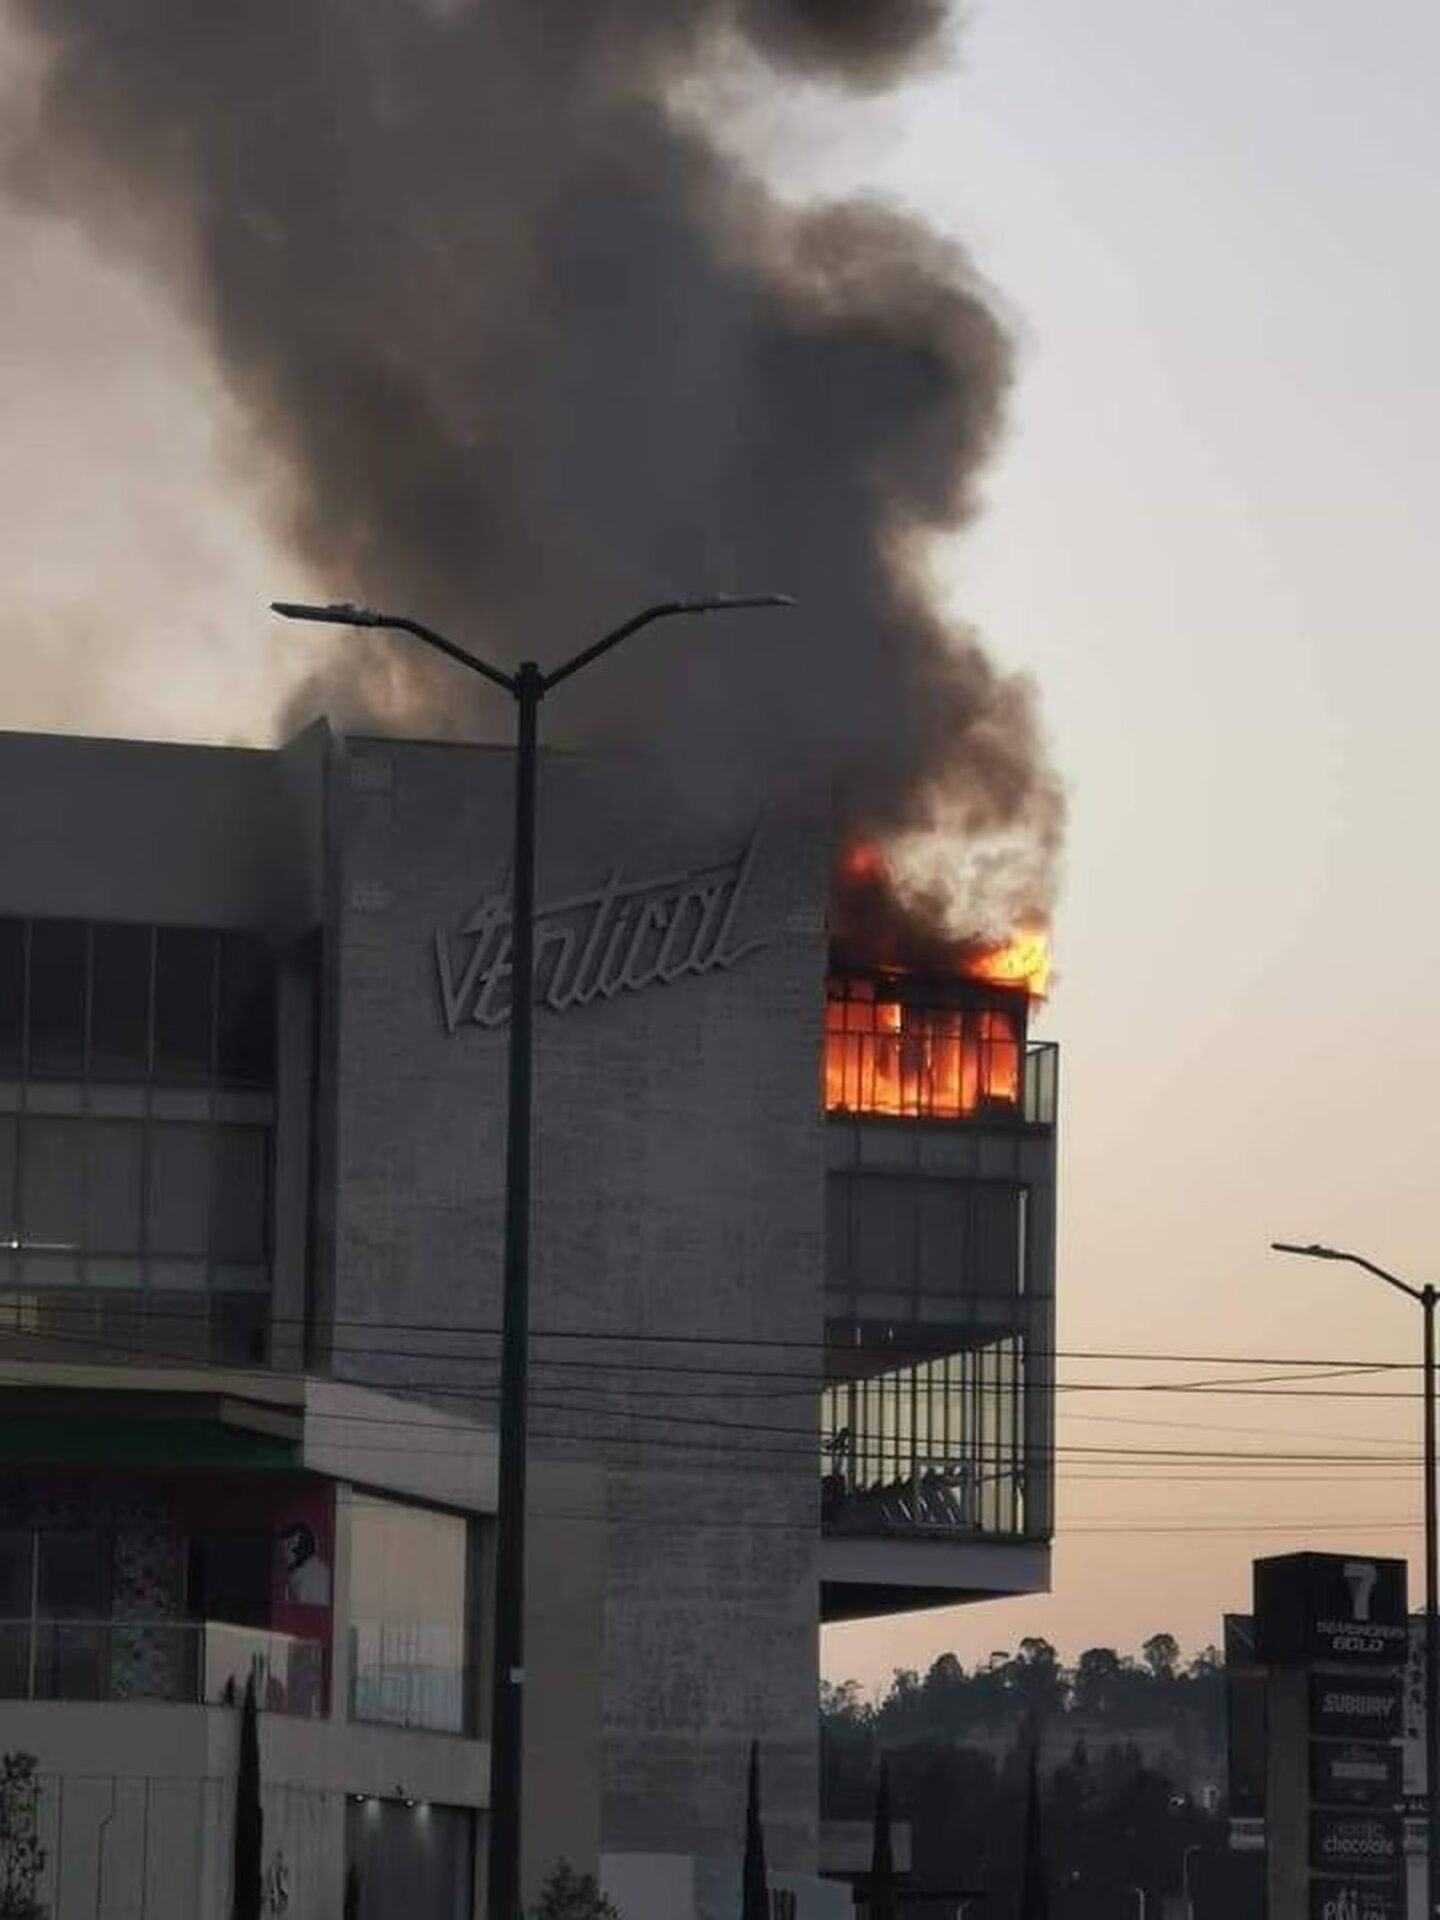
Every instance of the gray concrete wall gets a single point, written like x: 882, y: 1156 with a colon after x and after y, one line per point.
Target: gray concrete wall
x: 565, y: 1664
x: 679, y: 1195
x: 137, y: 1802
x: 181, y: 835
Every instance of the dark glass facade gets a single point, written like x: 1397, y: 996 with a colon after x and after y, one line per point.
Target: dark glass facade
x: 137, y: 1074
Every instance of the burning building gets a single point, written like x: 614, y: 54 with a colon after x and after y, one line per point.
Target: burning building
x: 792, y: 1311
x: 520, y: 337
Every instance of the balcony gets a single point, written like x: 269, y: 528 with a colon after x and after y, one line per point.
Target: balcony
x: 934, y: 1448
x: 176, y: 1662
x: 934, y: 1466
x: 904, y: 1051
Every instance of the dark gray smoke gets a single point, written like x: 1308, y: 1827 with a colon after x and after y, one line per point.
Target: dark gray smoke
x: 537, y: 353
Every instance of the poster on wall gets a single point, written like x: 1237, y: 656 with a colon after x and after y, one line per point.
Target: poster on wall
x: 302, y: 1589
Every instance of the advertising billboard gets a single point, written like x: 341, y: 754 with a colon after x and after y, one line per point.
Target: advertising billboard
x: 1357, y: 1900
x: 1330, y: 1609
x: 1356, y: 1842
x: 1355, y: 1773
x: 1366, y: 1707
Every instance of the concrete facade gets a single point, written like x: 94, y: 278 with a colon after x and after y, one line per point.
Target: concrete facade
x: 687, y: 1308
x: 677, y: 1224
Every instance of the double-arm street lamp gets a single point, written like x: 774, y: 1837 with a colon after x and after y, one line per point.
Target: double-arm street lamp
x: 527, y: 686
x: 1425, y: 1298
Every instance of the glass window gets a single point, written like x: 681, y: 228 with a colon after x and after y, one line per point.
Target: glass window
x: 73, y: 1581
x: 12, y: 994
x: 238, y: 1208
x: 9, y: 1131
x: 409, y: 1615
x: 178, y: 1210
x: 229, y: 1578
x: 997, y: 1239
x: 57, y: 998
x: 113, y: 1155
x: 16, y: 1573
x: 246, y: 1038
x: 52, y: 1184
x: 118, y: 1046
x: 184, y: 1003
x: 120, y: 1003
x: 943, y: 1211
x: 885, y: 1215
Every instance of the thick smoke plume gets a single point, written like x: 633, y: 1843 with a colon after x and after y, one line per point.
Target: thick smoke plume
x: 535, y: 352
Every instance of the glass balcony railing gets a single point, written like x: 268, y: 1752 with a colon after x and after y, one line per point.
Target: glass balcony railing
x: 407, y: 1673
x: 179, y: 1662
x: 926, y: 1073
x: 1040, y: 1087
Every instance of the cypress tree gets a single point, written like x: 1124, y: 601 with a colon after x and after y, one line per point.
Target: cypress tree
x: 246, y: 1895
x: 881, y: 1887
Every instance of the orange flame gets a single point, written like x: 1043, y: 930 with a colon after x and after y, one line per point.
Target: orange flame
x: 882, y: 1056
x: 1022, y: 960
x: 864, y: 861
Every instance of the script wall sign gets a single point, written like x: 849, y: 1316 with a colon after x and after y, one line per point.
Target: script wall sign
x: 621, y: 937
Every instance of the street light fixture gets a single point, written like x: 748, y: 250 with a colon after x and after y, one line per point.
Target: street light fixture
x: 1425, y: 1298
x: 527, y: 686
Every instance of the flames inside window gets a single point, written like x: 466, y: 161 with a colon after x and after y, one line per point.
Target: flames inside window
x: 884, y: 1053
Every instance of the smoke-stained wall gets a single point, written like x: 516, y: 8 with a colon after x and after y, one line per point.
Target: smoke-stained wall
x: 677, y: 1266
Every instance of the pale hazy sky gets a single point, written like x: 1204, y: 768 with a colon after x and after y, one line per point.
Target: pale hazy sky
x: 1214, y: 225
x: 1211, y: 539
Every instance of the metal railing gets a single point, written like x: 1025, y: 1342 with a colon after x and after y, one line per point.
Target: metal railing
x: 940, y: 1501
x: 409, y: 1674
x: 877, y: 1076
x: 180, y: 1662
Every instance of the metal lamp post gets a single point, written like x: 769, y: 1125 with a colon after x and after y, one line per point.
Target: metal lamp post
x: 1187, y: 1897
x: 527, y: 686
x: 1425, y: 1298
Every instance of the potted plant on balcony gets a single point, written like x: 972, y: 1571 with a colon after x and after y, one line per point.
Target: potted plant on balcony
x: 22, y: 1858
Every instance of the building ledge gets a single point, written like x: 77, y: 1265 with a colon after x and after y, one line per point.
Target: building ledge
x: 57, y: 1413
x: 861, y: 1579
x: 150, y: 1740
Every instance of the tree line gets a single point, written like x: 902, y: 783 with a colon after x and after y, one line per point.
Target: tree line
x: 1123, y: 1743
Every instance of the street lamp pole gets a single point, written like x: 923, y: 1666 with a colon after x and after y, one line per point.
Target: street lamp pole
x: 527, y: 686
x: 1425, y: 1297
x: 1185, y: 1894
